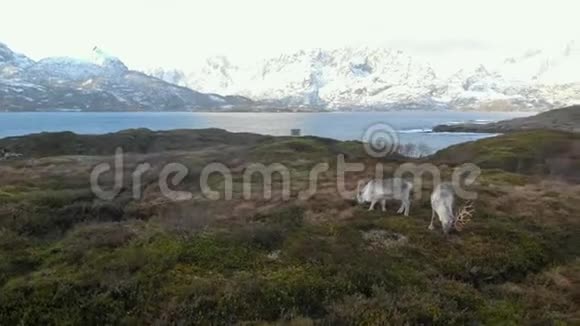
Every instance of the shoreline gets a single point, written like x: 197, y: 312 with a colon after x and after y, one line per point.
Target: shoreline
x: 530, y: 112
x: 411, y: 126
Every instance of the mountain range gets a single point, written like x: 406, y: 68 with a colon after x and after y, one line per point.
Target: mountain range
x: 383, y: 78
x: 105, y: 83
x: 348, y: 78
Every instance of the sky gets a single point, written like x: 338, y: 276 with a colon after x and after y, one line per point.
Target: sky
x: 182, y: 33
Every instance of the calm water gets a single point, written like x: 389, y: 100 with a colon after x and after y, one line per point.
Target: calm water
x: 413, y: 126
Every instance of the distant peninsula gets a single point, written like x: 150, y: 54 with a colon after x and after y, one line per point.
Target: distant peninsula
x: 565, y: 119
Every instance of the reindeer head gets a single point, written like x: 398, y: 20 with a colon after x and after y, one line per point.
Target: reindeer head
x: 463, y: 216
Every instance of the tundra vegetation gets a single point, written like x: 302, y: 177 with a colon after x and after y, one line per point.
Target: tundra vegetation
x: 67, y: 257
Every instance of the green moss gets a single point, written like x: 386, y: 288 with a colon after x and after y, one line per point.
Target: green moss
x: 533, y: 152
x: 497, y: 176
x: 444, y: 303
x: 202, y: 251
x: 57, y: 198
x: 291, y: 149
x: 290, y: 217
x: 502, y: 312
x: 66, y: 258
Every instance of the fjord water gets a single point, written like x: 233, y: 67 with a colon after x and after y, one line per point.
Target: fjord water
x: 413, y: 126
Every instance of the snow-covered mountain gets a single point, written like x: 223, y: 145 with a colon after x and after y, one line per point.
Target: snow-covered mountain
x: 104, y: 83
x: 342, y: 78
x: 384, y: 78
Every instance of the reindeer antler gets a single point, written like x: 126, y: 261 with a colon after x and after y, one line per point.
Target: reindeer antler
x: 464, y: 216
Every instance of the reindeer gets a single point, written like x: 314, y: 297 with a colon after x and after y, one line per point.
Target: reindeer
x: 442, y: 200
x: 381, y: 190
x: 8, y: 155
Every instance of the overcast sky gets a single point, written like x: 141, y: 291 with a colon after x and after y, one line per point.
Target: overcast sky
x: 179, y: 33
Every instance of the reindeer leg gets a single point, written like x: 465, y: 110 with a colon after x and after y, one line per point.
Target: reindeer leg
x: 402, y: 208
x: 372, y: 205
x: 432, y: 226
x: 407, y: 207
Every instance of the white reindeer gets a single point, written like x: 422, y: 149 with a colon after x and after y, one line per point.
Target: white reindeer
x: 382, y: 190
x: 442, y: 200
x: 10, y: 155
